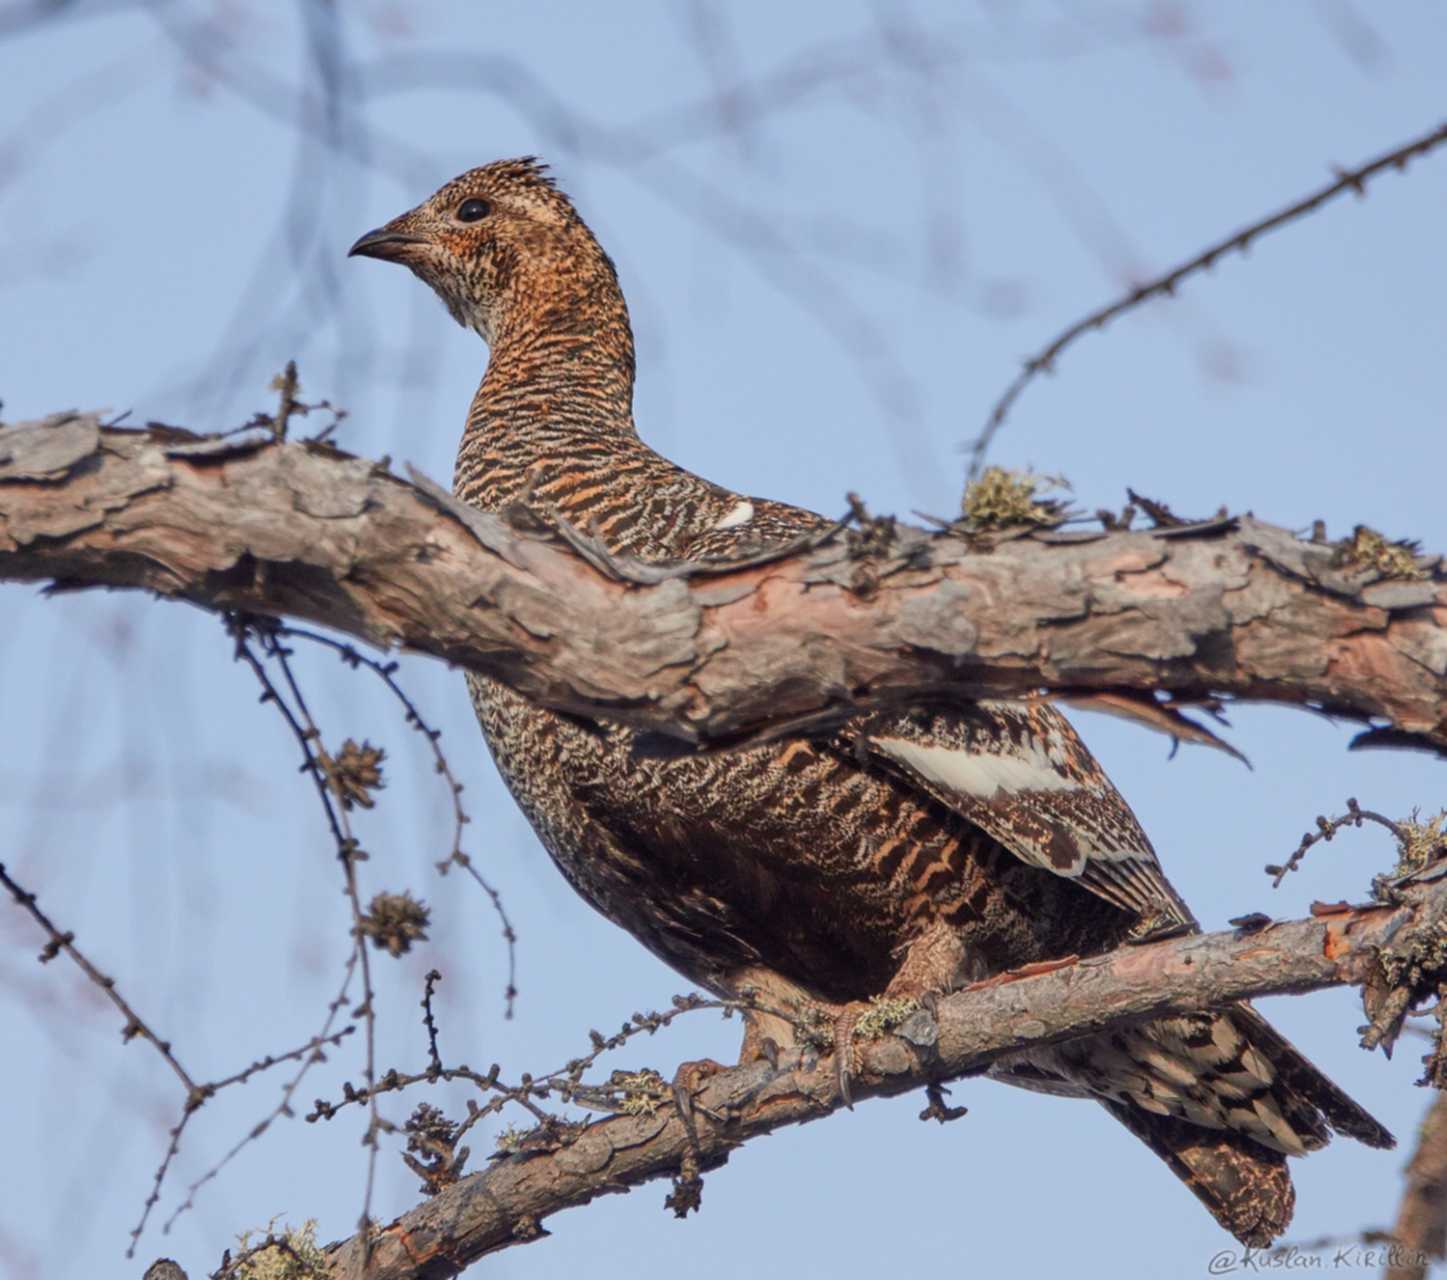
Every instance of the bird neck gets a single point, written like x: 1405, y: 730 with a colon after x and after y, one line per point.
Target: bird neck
x: 558, y: 387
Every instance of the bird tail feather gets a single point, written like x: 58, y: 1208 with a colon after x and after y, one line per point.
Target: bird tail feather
x: 1245, y: 1187
x: 1222, y: 1097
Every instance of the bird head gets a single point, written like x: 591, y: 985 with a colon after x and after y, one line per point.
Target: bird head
x: 500, y: 245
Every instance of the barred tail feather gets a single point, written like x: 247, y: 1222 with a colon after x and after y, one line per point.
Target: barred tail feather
x: 1222, y: 1097
x: 1245, y: 1187
x: 1304, y: 1079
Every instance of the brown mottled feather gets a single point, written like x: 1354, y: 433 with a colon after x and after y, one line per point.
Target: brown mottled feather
x: 914, y: 850
x: 1247, y: 1190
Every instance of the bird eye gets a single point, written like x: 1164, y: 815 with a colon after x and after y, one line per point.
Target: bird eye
x: 473, y: 210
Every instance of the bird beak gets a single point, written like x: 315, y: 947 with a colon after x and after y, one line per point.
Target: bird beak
x: 387, y: 243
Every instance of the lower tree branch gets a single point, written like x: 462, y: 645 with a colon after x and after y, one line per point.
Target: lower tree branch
x: 506, y: 1205
x: 713, y: 654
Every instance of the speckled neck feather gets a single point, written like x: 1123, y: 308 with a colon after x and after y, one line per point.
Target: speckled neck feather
x: 557, y: 397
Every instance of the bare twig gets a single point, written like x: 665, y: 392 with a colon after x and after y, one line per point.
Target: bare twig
x: 349, y: 852
x: 386, y: 672
x: 434, y: 1061
x: 1326, y: 828
x: 1164, y: 285
x: 134, y: 1028
x: 308, y: 1054
x: 64, y: 942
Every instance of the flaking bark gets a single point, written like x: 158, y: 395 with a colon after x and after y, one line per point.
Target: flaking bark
x: 1234, y: 607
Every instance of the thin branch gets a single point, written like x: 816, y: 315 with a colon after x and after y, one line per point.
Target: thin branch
x: 434, y: 1060
x: 309, y: 1054
x: 386, y: 672
x: 1326, y: 828
x: 349, y: 852
x: 135, y: 1026
x: 1043, y: 361
x: 564, y: 1083
x: 485, y: 1212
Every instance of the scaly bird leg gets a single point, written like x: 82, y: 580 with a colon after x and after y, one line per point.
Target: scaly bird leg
x: 934, y: 963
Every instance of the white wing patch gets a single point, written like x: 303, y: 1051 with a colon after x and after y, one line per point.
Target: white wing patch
x: 1020, y: 774
x: 977, y: 774
x: 742, y: 513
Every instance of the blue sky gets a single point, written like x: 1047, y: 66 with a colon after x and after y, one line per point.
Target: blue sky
x: 833, y: 270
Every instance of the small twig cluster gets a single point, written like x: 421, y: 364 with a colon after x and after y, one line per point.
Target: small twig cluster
x: 386, y: 672
x: 289, y: 405
x: 1410, y: 970
x: 432, y: 1135
x: 309, y: 1055
x: 333, y: 797
x: 62, y: 942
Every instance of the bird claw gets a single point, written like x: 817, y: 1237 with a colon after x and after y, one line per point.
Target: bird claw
x: 883, y: 1015
x: 769, y: 1052
x: 690, y: 1076
x: 844, y: 1053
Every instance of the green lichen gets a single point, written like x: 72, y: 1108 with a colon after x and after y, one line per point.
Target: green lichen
x: 813, y: 1027
x: 302, y: 1259
x: 510, y: 1139
x: 642, y: 1091
x: 1000, y: 498
x: 883, y: 1015
x: 1368, y: 549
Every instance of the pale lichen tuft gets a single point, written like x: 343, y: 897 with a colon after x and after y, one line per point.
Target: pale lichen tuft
x: 1000, y: 498
x: 642, y: 1091
x: 883, y: 1015
x: 299, y: 1258
x: 1368, y: 549
x: 1419, y: 843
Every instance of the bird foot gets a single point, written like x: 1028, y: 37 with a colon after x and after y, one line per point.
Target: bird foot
x: 868, y: 1020
x: 691, y: 1076
x: 844, y: 1063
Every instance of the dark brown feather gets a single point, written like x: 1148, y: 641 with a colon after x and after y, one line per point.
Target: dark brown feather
x: 1245, y: 1188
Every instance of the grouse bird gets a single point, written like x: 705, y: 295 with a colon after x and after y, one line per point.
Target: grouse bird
x: 910, y: 852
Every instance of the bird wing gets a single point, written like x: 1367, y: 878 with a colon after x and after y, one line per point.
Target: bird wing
x: 1019, y: 772
x: 1016, y: 770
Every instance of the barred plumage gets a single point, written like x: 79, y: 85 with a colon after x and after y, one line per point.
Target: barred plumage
x: 910, y: 852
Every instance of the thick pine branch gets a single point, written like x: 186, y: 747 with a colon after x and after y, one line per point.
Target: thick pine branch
x: 507, y: 1204
x: 1233, y: 607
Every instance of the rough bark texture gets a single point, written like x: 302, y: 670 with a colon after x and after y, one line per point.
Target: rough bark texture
x: 506, y: 1204
x: 1230, y: 607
